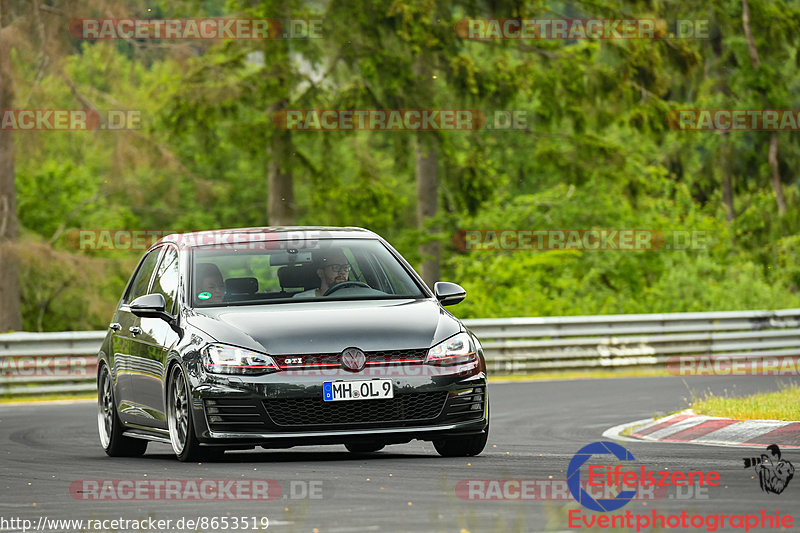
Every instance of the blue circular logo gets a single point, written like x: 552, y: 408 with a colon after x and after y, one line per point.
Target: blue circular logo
x: 574, y: 476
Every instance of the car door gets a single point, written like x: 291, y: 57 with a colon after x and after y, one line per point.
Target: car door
x: 155, y: 342
x: 125, y: 328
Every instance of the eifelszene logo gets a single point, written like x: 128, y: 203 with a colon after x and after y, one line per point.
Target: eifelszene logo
x: 624, y: 472
x: 631, y: 477
x: 574, y: 476
x: 774, y: 473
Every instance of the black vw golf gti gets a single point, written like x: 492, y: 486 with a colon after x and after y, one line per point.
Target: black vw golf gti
x: 278, y: 337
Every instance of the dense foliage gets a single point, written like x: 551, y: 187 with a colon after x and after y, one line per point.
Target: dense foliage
x: 596, y: 151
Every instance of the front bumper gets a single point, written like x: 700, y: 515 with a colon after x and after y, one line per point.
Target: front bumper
x: 279, y: 410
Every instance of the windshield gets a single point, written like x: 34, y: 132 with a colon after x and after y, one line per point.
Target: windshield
x: 340, y: 269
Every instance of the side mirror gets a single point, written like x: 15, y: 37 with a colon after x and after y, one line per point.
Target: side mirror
x: 449, y: 293
x: 150, y: 306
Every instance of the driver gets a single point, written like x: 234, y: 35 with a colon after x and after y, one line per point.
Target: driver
x: 332, y: 268
x: 211, y: 288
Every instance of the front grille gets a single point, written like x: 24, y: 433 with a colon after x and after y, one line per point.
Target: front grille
x: 316, y: 412
x: 466, y: 405
x: 335, y: 359
x: 392, y: 355
x: 234, y: 415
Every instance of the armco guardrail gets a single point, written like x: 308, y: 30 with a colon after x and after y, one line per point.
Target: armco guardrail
x: 521, y: 345
x: 48, y: 363
x: 54, y: 363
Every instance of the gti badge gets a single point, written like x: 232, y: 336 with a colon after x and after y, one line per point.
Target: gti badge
x: 353, y: 359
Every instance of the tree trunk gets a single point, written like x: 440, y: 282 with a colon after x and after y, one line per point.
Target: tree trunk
x: 280, y: 193
x: 10, y: 315
x: 776, y: 176
x: 751, y: 43
x: 773, y: 141
x: 280, y: 185
x: 427, y: 204
x: 727, y: 182
x: 727, y: 196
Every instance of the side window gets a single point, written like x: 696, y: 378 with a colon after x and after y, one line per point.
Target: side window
x: 141, y: 280
x: 166, y: 282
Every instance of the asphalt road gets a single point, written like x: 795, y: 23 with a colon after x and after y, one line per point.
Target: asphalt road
x: 535, y: 430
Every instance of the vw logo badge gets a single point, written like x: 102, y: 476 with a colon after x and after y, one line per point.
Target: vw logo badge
x: 353, y: 359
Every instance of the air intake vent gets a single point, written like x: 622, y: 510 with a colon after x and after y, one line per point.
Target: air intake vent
x: 466, y: 404
x: 234, y: 416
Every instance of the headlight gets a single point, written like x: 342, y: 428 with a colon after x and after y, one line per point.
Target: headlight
x: 222, y: 359
x: 455, y: 350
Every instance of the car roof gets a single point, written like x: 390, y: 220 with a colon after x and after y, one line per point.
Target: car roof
x: 234, y: 235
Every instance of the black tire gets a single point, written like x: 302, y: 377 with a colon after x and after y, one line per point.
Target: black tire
x: 211, y: 454
x: 364, y: 447
x: 179, y: 420
x: 462, y: 446
x: 467, y: 446
x: 108, y: 423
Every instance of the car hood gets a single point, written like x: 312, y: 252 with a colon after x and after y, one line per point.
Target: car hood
x: 329, y: 327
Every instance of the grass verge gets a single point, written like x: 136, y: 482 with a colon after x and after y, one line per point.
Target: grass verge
x: 781, y: 405
x: 48, y: 398
x: 582, y: 374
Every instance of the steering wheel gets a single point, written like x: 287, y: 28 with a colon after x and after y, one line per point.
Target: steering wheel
x: 343, y: 284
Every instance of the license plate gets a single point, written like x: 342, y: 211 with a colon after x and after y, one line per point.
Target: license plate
x: 373, y: 389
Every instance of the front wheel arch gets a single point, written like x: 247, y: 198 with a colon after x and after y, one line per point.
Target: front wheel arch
x: 186, y: 446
